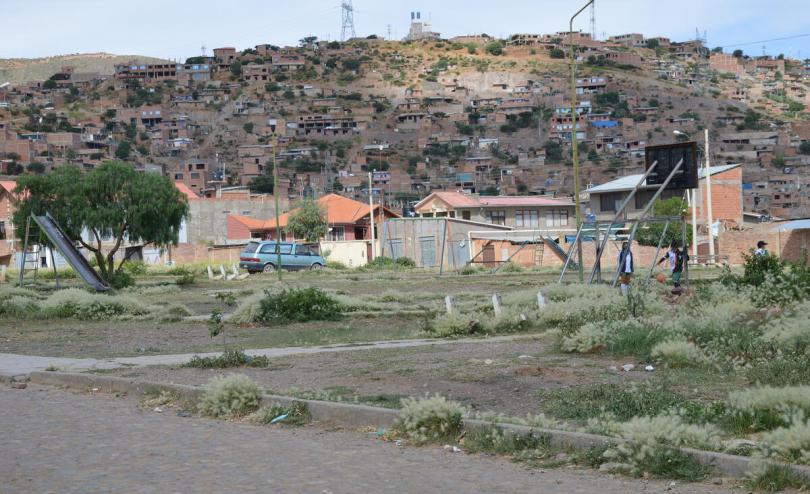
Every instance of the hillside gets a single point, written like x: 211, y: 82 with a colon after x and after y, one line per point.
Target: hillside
x: 16, y: 70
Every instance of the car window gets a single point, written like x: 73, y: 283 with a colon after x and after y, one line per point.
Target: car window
x: 251, y: 247
x: 271, y: 248
x: 302, y: 250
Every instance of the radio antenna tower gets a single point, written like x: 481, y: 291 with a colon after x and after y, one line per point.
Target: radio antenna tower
x: 348, y: 21
x: 593, y: 21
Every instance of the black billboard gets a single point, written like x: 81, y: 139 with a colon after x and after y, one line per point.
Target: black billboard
x: 668, y: 156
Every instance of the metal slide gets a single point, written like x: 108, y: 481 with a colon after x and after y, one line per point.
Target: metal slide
x: 558, y: 251
x: 72, y: 255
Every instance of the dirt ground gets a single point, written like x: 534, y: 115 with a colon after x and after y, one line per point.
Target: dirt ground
x: 502, y: 377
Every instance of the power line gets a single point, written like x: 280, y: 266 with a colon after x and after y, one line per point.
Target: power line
x: 768, y: 40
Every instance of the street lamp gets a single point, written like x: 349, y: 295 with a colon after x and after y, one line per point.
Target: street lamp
x: 575, y: 150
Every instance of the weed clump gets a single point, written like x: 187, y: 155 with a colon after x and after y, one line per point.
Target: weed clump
x: 79, y: 304
x: 452, y: 325
x: 296, y: 413
x: 430, y: 419
x: 230, y: 358
x: 229, y: 397
x: 679, y: 353
x: 773, y: 478
x: 503, y: 442
x: 298, y: 305
x: 766, y: 408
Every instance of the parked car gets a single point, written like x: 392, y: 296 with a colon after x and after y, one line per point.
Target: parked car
x: 263, y: 257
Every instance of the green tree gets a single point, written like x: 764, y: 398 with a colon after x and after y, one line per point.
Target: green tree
x: 123, y: 150
x: 236, y: 68
x: 36, y: 167
x: 248, y: 126
x: 494, y: 48
x: 70, y: 154
x: 553, y: 151
x: 671, y: 207
x: 49, y: 84
x: 804, y: 147
x: 652, y: 44
x: 593, y: 155
x: 263, y: 184
x: 111, y: 201
x: 556, y: 53
x: 308, y: 221
x: 289, y: 94
x: 737, y: 54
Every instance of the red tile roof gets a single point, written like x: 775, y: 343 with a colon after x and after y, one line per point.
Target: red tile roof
x: 185, y: 190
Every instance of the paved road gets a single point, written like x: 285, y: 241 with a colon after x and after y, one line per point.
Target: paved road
x: 53, y: 441
x: 13, y: 364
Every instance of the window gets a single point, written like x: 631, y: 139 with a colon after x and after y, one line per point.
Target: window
x: 178, y: 176
x: 2, y: 230
x: 527, y: 218
x: 337, y: 234
x: 302, y: 250
x: 610, y: 202
x: 557, y: 217
x: 195, y: 175
x: 496, y: 217
x: 271, y: 249
x: 465, y: 215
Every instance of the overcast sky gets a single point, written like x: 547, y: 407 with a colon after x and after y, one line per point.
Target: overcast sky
x: 179, y: 28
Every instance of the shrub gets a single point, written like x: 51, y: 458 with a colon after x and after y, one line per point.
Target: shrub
x: 789, y: 444
x: 499, y: 441
x: 173, y: 313
x: 120, y: 279
x: 382, y: 263
x: 622, y: 403
x: 300, y: 305
x: 679, y: 353
x: 450, y: 325
x: 185, y: 276
x: 249, y: 309
x: 511, y: 267
x: 229, y: 358
x: 787, y: 369
x: 430, y: 419
x: 651, y: 449
x: 296, y: 413
x: 767, y: 407
x: 232, y: 396
x: 134, y: 268
x: 405, y: 262
x: 773, y: 478
x: 18, y: 303
x: 791, y: 332
x: 79, y: 304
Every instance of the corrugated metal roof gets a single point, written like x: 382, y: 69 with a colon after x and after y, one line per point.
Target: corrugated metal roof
x: 790, y: 226
x: 630, y: 181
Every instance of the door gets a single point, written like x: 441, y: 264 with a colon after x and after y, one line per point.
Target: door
x: 489, y: 255
x: 427, y: 251
x: 302, y: 257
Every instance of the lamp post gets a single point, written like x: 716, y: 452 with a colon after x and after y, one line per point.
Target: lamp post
x: 575, y: 150
x: 709, y: 215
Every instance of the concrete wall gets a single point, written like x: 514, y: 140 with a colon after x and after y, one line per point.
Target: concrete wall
x: 188, y: 253
x: 790, y: 246
x: 352, y: 253
x: 423, y: 239
x: 208, y: 219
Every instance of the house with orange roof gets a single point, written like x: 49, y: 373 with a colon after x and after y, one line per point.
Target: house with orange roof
x: 520, y: 212
x: 348, y: 220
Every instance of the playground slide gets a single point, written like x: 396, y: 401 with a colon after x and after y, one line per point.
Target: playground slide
x: 72, y: 255
x: 558, y: 251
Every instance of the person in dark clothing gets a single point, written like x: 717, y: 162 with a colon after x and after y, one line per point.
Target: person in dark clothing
x: 626, y: 268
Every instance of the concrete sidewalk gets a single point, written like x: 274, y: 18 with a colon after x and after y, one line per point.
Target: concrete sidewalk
x: 12, y: 364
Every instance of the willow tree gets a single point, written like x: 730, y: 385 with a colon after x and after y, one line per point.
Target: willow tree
x: 105, y: 207
x: 308, y: 221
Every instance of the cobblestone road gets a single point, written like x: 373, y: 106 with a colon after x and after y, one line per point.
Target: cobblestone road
x: 53, y: 441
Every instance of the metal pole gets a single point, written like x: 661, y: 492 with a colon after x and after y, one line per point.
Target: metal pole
x: 627, y: 200
x: 371, y: 213
x: 658, y: 249
x: 570, y: 253
x: 685, y: 261
x: 693, y: 206
x: 575, y: 150
x: 709, y: 217
x: 275, y: 197
x: 444, y: 244
x: 647, y: 210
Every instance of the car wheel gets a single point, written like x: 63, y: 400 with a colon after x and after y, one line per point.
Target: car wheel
x: 316, y: 266
x: 268, y: 268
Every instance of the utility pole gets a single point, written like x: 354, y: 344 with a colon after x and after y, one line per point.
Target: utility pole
x: 709, y: 217
x: 575, y: 150
x: 371, y: 214
x: 347, y: 29
x: 693, y: 207
x: 275, y: 197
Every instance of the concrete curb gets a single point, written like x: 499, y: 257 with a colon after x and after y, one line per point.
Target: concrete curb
x: 356, y: 416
